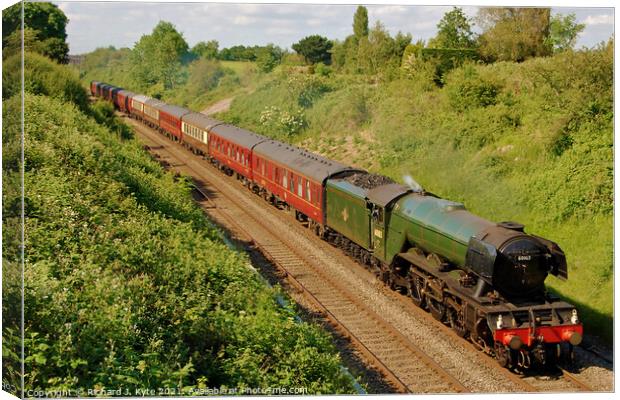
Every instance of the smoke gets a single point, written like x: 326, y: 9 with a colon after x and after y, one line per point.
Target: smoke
x: 415, y: 186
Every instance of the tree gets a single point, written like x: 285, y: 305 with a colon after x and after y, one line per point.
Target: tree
x: 206, y: 50
x: 563, y: 32
x: 46, y: 21
x: 401, y: 41
x: 314, y: 49
x: 360, y: 23
x: 268, y: 57
x: 157, y: 58
x: 514, y: 34
x: 238, y: 53
x: 379, y: 51
x: 454, y: 31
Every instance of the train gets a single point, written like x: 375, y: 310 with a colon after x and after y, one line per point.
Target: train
x: 483, y: 279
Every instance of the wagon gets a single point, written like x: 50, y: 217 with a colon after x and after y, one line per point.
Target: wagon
x: 195, y: 128
x: 295, y: 176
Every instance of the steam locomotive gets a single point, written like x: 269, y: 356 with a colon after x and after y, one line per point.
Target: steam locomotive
x: 485, y: 280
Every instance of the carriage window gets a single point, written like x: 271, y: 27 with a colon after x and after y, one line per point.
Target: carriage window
x: 284, y: 181
x: 263, y: 169
x: 292, y: 187
x: 300, y: 188
x: 308, y: 190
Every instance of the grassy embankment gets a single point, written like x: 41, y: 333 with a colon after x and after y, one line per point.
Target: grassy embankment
x: 530, y: 142
x: 127, y: 284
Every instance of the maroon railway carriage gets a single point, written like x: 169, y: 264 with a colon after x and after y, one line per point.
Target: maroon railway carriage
x: 151, y: 112
x: 170, y: 119
x: 231, y: 148
x: 195, y: 128
x: 136, y: 108
x: 93, y: 87
x: 295, y: 176
x: 104, y: 91
x: 123, y: 98
x: 114, y: 97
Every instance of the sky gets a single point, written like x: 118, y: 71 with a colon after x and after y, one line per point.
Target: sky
x: 121, y: 24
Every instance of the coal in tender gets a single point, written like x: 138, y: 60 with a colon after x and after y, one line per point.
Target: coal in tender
x: 368, y: 181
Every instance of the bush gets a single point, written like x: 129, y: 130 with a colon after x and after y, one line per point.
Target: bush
x: 467, y: 89
x: 307, y: 88
x: 283, y: 123
x: 43, y: 77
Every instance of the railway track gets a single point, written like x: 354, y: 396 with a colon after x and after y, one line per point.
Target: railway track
x: 406, y: 366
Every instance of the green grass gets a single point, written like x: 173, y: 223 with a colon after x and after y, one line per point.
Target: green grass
x: 239, y: 67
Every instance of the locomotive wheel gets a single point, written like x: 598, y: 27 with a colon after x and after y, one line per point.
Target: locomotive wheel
x: 456, y: 322
x: 415, y: 291
x: 502, y: 355
x: 438, y: 309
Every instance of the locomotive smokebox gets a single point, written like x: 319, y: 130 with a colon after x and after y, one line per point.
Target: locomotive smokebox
x: 515, y: 263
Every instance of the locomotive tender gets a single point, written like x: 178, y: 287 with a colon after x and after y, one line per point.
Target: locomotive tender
x: 484, y: 279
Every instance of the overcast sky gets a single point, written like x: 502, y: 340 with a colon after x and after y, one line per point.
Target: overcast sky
x: 121, y: 24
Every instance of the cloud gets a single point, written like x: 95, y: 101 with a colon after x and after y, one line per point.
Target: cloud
x: 243, y: 20
x: 601, y: 19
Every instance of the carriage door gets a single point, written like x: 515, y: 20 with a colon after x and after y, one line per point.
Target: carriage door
x: 377, y: 230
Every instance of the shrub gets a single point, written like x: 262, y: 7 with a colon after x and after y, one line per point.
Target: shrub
x: 44, y: 77
x: 283, y: 122
x: 467, y: 89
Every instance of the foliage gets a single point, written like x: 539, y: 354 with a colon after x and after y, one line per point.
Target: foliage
x: 14, y: 43
x: 204, y: 75
x: 563, y: 32
x: 206, y: 49
x: 314, y: 48
x: 108, y: 65
x: 156, y: 59
x: 306, y: 88
x: 375, y: 53
x: 454, y: 31
x: 418, y: 60
x: 323, y: 70
x: 283, y: 122
x: 467, y: 89
x: 43, y: 22
x: 238, y: 53
x: 360, y: 23
x: 268, y: 57
x: 42, y: 76
x: 514, y: 34
x: 128, y: 285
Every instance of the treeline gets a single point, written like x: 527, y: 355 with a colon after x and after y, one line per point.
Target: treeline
x: 161, y: 62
